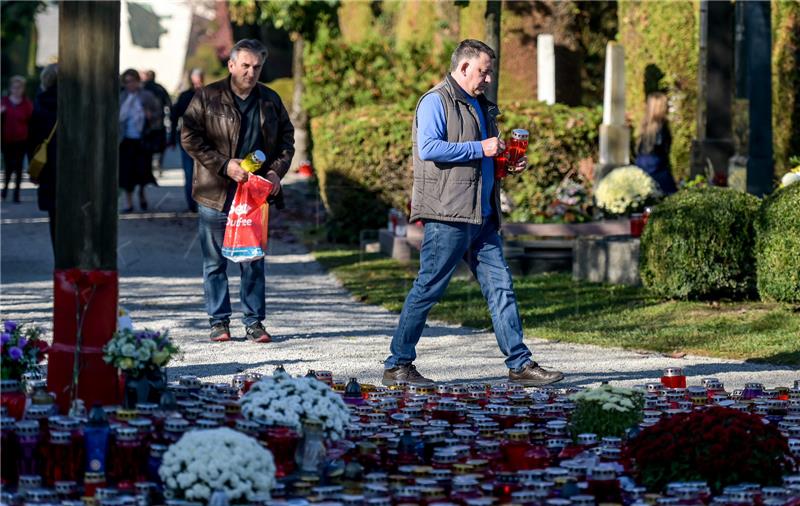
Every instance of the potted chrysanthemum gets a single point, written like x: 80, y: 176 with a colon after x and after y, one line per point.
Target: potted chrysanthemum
x: 141, y: 356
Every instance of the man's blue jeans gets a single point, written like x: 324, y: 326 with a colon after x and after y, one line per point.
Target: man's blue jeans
x: 444, y: 246
x: 188, y: 173
x: 215, y: 277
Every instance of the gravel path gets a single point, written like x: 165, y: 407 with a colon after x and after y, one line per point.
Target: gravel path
x: 315, y: 322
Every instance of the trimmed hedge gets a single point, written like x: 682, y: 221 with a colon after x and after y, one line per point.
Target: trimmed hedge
x: 778, y: 246
x: 698, y: 244
x: 363, y: 159
x: 345, y: 76
x: 785, y: 83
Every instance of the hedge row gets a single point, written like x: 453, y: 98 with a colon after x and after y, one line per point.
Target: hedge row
x: 363, y: 159
x: 706, y: 243
x: 778, y: 246
x: 341, y: 75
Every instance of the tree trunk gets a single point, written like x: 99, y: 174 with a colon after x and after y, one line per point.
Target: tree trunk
x: 88, y: 117
x: 85, y: 288
x: 492, y: 19
x: 298, y: 114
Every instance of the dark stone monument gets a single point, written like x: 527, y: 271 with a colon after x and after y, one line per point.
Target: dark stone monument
x: 758, y: 40
x: 714, y: 143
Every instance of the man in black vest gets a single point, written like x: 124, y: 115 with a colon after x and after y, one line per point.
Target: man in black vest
x: 455, y: 139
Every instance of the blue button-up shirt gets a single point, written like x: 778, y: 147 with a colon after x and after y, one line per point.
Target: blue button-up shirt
x: 433, y: 146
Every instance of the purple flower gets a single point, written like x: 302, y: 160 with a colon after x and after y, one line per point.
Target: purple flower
x: 22, y: 342
x: 11, y: 326
x: 5, y: 337
x: 15, y: 353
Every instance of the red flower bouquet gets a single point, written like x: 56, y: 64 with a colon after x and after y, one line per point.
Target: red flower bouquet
x: 718, y: 445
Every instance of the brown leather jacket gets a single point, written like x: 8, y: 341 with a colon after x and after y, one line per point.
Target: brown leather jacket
x: 210, y: 133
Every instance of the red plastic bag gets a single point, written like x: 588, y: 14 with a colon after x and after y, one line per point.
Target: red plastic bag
x: 246, y: 229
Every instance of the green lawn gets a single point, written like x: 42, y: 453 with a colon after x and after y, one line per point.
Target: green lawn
x: 554, y: 307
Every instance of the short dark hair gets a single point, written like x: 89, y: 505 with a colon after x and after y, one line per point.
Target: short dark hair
x: 252, y: 45
x: 130, y: 73
x: 469, y: 48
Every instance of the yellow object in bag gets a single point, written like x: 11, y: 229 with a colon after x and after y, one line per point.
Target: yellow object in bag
x: 39, y: 158
x: 253, y: 161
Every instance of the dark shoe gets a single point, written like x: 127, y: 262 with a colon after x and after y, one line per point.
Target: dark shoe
x: 143, y: 205
x: 220, y: 332
x: 531, y: 375
x: 258, y: 334
x: 406, y: 373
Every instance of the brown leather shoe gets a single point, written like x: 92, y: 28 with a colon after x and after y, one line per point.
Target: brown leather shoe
x: 258, y: 334
x: 531, y: 375
x: 220, y: 332
x: 407, y: 373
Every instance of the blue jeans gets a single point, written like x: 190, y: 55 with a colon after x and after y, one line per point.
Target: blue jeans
x: 444, y: 246
x: 215, y: 276
x: 188, y: 173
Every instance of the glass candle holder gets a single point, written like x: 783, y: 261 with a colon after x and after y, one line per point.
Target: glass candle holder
x: 637, y: 224
x: 282, y: 442
x: 10, y: 449
x: 752, y: 391
x: 12, y: 398
x: 516, y: 148
x: 28, y: 443
x: 673, y: 377
x: 60, y: 462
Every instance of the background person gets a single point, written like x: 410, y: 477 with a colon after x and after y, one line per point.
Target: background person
x: 16, y: 113
x: 155, y: 138
x: 196, y: 81
x: 655, y: 140
x: 137, y: 108
x: 43, y: 119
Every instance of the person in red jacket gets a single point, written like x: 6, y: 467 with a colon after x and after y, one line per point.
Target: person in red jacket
x: 16, y: 112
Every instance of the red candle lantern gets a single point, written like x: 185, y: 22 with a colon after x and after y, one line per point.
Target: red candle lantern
x: 507, y: 160
x: 673, y: 377
x: 637, y: 224
x: 517, y: 147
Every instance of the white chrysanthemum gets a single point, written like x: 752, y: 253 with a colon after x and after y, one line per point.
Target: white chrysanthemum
x: 610, y: 398
x: 129, y: 350
x: 790, y: 178
x: 286, y: 401
x: 193, y: 467
x: 624, y: 189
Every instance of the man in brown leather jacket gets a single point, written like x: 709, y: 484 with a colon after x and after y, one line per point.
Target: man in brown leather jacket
x: 224, y: 122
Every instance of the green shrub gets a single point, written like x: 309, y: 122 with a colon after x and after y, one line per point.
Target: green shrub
x: 606, y: 411
x: 778, y: 245
x: 343, y: 76
x: 785, y: 83
x: 698, y: 243
x: 561, y: 138
x: 363, y: 159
